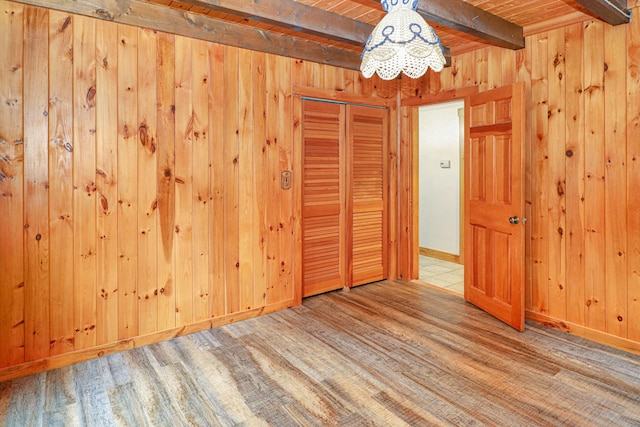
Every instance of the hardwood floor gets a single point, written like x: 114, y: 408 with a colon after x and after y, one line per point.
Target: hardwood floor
x: 381, y: 354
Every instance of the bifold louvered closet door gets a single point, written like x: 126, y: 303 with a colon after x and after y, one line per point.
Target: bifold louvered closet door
x: 344, y: 215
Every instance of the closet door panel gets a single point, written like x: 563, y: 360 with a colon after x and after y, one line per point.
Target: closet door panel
x: 323, y: 198
x: 367, y: 178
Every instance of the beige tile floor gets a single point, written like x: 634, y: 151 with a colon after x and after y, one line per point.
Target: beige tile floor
x: 443, y: 274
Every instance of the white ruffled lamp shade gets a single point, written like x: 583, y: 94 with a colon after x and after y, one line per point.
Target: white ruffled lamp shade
x: 402, y: 41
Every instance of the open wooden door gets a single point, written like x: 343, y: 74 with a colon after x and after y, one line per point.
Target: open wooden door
x: 494, y: 203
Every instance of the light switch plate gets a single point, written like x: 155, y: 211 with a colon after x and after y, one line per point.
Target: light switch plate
x: 445, y: 164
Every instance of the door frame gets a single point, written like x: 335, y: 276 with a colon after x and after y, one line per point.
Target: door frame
x: 409, y: 266
x: 458, y: 259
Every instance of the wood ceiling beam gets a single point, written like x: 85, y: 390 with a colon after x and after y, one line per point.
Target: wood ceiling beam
x: 161, y: 18
x: 298, y: 17
x: 469, y: 19
x: 614, y: 12
x: 293, y: 15
x: 184, y: 23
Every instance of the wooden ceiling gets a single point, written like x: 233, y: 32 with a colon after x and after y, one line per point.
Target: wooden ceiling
x: 334, y: 31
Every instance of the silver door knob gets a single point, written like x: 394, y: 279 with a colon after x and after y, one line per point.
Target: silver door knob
x: 514, y: 220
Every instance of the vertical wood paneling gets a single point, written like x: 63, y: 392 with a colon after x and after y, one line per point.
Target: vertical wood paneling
x: 12, y: 277
x: 615, y: 202
x: 574, y: 168
x: 330, y: 79
x: 127, y: 182
x: 494, y: 68
x: 154, y: 167
x: 285, y: 197
x: 36, y: 195
x: 449, y: 78
x: 392, y: 194
x: 106, y: 182
x: 507, y: 70
x: 217, y: 290
x: 361, y: 85
x: 166, y: 182
x: 231, y: 176
x: 245, y: 180
x: 201, y: 170
x: 633, y: 179
x: 303, y: 73
x: 594, y: 192
x: 540, y: 174
x: 557, y: 173
x: 184, y: 181
x: 259, y: 220
x: 481, y: 69
x: 147, y: 183
x: 405, y: 193
x: 84, y: 177
x: 523, y: 73
x: 61, y: 181
x: 273, y: 179
x: 467, y: 70
x: 297, y: 182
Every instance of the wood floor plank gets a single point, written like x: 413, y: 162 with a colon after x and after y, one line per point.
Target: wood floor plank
x: 26, y: 393
x: 149, y: 382
x: 389, y: 353
x: 59, y: 401
x: 94, y: 407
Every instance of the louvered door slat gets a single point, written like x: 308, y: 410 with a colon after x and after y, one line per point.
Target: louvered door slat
x: 323, y: 198
x: 368, y: 228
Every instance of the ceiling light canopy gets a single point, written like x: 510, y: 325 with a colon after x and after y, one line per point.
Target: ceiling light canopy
x: 402, y: 41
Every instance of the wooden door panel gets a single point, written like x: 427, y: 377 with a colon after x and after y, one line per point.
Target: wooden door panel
x: 481, y: 114
x: 366, y: 199
x: 494, y: 247
x: 478, y: 270
x: 477, y: 169
x: 502, y: 172
x: 501, y: 267
x: 323, y: 198
x: 368, y: 247
x: 490, y: 277
x: 503, y: 110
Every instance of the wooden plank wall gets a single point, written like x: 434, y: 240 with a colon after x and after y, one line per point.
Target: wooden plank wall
x: 583, y: 156
x: 140, y: 189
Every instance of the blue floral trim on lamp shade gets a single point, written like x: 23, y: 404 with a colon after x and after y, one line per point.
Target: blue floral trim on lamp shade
x: 402, y: 42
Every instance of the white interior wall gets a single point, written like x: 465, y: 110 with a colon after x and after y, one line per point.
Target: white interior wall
x: 439, y: 188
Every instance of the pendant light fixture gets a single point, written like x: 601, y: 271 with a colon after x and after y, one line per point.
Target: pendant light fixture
x: 402, y: 41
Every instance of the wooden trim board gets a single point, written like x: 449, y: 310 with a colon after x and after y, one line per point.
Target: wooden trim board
x: 584, y: 332
x: 444, y: 256
x: 53, y: 362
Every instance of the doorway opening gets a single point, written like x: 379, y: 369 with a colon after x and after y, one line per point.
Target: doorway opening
x: 441, y: 195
